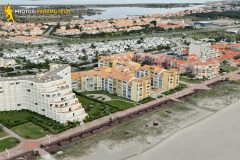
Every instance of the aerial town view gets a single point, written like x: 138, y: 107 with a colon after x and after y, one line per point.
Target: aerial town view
x: 119, y: 80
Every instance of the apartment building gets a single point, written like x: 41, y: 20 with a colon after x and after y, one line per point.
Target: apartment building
x: 161, y: 79
x: 203, y: 50
x: 121, y: 76
x: 115, y: 81
x: 209, y: 69
x: 49, y: 94
x: 112, y: 61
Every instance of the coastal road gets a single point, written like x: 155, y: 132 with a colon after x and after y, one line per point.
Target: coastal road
x: 214, y: 138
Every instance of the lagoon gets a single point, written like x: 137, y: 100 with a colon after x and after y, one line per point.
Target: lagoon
x: 124, y: 12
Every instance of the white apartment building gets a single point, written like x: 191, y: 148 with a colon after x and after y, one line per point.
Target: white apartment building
x: 209, y: 69
x: 203, y: 50
x: 49, y: 94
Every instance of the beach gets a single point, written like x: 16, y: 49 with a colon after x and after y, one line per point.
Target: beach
x: 214, y: 138
x: 139, y: 138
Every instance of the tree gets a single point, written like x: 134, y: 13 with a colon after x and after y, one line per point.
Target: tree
x: 93, y: 46
x: 68, y: 26
x: 76, y: 27
x: 154, y: 23
x: 84, y: 51
x: 84, y: 58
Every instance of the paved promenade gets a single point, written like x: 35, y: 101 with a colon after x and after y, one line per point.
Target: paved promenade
x: 28, y: 145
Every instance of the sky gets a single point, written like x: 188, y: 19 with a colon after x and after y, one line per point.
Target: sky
x: 35, y: 2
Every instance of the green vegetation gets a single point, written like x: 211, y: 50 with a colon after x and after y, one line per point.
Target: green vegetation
x: 215, y: 15
x: 39, y: 66
x: 98, y: 108
x: 116, y: 101
x: 227, y: 68
x: 121, y: 105
x: 148, y: 99
x: 188, y: 79
x: 2, y: 133
x: 95, y: 109
x: 7, y: 69
x: 147, y: 31
x: 107, y: 94
x: 29, y: 131
x: 14, y: 118
x: 8, y: 143
x: 217, y: 35
x: 178, y: 88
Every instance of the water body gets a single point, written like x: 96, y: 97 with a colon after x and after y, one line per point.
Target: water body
x: 150, y: 131
x: 38, y: 2
x: 123, y: 12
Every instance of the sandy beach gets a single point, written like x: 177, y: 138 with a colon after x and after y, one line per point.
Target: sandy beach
x: 214, y: 138
x: 191, y: 129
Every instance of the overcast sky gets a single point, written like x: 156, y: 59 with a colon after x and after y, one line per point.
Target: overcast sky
x: 34, y: 2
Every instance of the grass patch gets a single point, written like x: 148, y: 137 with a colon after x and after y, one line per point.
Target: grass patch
x: 94, y: 108
x: 189, y: 80
x: 112, y: 96
x: 227, y: 69
x: 121, y: 105
x: 12, y: 119
x: 178, y: 88
x: 29, y: 131
x: 2, y: 133
x: 8, y: 143
x: 97, y: 108
x: 146, y: 100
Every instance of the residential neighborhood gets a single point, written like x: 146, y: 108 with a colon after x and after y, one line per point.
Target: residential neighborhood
x: 118, y: 80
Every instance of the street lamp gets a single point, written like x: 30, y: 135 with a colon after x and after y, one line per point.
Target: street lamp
x: 8, y: 153
x: 82, y: 124
x: 49, y: 139
x: 111, y: 115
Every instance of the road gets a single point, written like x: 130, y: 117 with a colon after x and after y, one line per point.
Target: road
x: 27, y: 145
x: 49, y: 30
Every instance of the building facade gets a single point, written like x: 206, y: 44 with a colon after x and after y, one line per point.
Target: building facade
x: 205, y: 70
x: 203, y: 50
x: 49, y: 94
x: 126, y: 78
